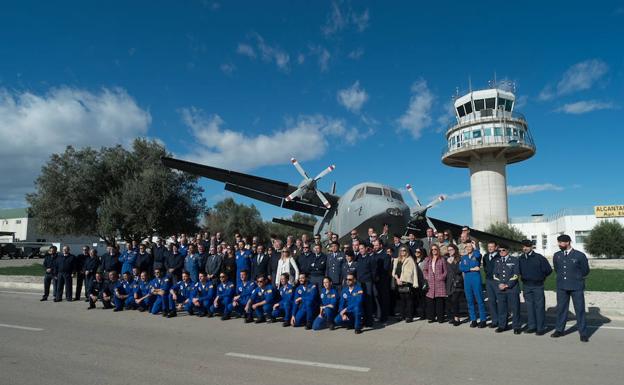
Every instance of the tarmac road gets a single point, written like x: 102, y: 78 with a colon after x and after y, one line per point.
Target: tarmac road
x: 66, y: 344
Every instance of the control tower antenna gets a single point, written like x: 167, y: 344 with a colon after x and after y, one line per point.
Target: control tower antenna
x: 487, y: 135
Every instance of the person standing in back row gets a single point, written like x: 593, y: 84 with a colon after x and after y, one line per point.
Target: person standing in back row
x: 534, y: 269
x: 572, y: 268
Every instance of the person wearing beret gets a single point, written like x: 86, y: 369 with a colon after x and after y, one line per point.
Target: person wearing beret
x: 572, y: 268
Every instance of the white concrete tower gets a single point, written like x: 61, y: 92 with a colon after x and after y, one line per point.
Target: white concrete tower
x: 487, y: 135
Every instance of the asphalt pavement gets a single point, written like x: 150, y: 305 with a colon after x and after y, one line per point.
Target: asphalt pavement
x: 63, y: 343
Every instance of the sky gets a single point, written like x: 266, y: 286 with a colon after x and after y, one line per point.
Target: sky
x: 366, y: 86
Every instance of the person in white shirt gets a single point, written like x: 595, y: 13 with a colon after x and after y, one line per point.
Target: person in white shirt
x: 286, y: 264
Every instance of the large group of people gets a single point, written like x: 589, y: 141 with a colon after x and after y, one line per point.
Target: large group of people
x: 324, y: 284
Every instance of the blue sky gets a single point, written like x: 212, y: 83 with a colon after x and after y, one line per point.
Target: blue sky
x: 363, y: 85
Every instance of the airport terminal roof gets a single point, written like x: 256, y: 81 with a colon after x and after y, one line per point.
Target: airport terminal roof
x: 14, y: 213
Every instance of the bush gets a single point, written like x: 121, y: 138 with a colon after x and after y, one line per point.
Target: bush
x: 606, y: 240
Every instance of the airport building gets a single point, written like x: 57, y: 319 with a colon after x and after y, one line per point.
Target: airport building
x: 543, y: 230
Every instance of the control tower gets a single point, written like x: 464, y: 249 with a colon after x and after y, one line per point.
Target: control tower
x: 487, y: 135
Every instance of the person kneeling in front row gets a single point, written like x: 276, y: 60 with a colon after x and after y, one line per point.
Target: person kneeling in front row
x: 350, y: 313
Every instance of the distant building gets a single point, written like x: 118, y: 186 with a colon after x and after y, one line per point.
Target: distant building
x: 577, y: 223
x: 16, y: 225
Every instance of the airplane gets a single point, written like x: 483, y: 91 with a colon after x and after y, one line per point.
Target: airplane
x: 365, y: 205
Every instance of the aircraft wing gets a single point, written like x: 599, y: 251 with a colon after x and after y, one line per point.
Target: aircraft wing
x: 263, y: 189
x: 479, y: 235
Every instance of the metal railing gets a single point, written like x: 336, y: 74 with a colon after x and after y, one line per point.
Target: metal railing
x: 487, y: 116
x: 489, y: 141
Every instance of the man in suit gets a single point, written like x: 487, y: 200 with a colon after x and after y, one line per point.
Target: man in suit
x: 260, y: 263
x: 413, y: 243
x: 429, y: 240
x: 572, y: 268
x: 491, y: 286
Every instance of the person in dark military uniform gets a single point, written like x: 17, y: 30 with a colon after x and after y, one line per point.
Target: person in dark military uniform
x: 79, y: 268
x: 534, y: 269
x: 91, y: 266
x: 572, y: 268
x: 96, y: 289
x: 65, y: 263
x: 49, y: 264
x: 333, y: 268
x: 507, y: 275
x: 489, y: 262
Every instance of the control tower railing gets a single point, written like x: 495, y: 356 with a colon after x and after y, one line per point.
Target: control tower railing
x: 487, y: 116
x: 490, y: 141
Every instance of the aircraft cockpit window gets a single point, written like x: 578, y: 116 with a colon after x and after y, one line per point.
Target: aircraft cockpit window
x: 396, y: 195
x: 370, y: 190
x: 358, y: 194
x: 386, y: 192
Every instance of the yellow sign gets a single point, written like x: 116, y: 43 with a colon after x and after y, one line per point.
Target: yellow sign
x: 609, y: 211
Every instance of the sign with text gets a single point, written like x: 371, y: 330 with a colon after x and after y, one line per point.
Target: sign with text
x: 609, y: 211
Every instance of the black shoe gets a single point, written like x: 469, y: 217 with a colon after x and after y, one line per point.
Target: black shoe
x: 456, y: 323
x: 270, y: 320
x: 517, y: 331
x: 191, y: 312
x: 43, y: 299
x: 473, y: 324
x: 556, y: 334
x: 248, y: 320
x: 57, y: 300
x: 493, y: 325
x: 116, y: 310
x: 91, y: 307
x: 141, y: 309
x: 308, y: 326
x: 76, y: 298
x: 529, y: 331
x: 584, y: 339
x: 200, y: 315
x: 332, y: 327
x: 431, y: 321
x: 408, y: 320
x: 225, y: 318
x: 260, y: 320
x: 68, y: 299
x: 165, y: 313
x: 210, y: 315
x: 499, y: 330
x: 358, y: 331
x: 172, y: 314
x: 540, y: 332
x: 482, y: 325
x: 285, y: 324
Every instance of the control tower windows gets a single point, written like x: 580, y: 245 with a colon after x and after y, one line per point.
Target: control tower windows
x: 508, y: 105
x: 466, y: 135
x: 498, y: 131
x: 487, y: 132
x: 468, y: 108
x: 476, y: 134
x: 461, y: 112
x: 479, y: 104
x: 490, y: 103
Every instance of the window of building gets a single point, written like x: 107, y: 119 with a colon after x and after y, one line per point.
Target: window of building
x: 487, y: 132
x: 460, y: 111
x: 358, y: 194
x: 479, y: 104
x: 515, y: 132
x: 508, y: 104
x: 490, y: 103
x: 501, y: 103
x: 498, y: 131
x: 508, y: 131
x: 18, y: 221
x: 476, y: 134
x: 370, y: 190
x: 466, y: 135
x: 468, y: 108
x: 580, y: 236
x: 544, y: 241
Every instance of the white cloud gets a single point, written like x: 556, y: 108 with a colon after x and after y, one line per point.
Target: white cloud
x: 268, y: 53
x: 322, y: 55
x: 353, y: 98
x: 512, y: 190
x: 342, y: 16
x: 307, y: 137
x: 227, y: 68
x: 34, y: 126
x: 585, y: 106
x: 356, y: 53
x: 418, y: 114
x: 246, y: 50
x: 581, y: 76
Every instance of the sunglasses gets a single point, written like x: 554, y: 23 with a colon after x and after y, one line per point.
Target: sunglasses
x: 349, y: 279
x: 502, y: 249
x: 222, y: 276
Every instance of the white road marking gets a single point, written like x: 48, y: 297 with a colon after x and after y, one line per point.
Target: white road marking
x: 298, y: 362
x: 21, y: 327
x: 18, y: 292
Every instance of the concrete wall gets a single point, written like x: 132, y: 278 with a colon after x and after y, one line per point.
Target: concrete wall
x: 488, y: 185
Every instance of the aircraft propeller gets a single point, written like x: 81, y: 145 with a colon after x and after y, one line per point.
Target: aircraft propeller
x: 419, y: 208
x: 309, y: 184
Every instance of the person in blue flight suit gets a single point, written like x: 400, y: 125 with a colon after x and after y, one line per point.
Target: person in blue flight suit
x: 534, y: 269
x: 333, y: 268
x: 128, y: 259
x: 159, y: 290
x: 350, y: 311
x: 243, y: 292
x: 182, y: 296
x: 243, y: 260
x: 489, y: 261
x: 318, y: 262
x: 191, y: 263
x: 283, y: 308
x: 203, y: 295
x: 260, y: 303
x: 571, y: 268
x: 142, y: 294
x: 470, y: 265
x: 507, y: 275
x: 304, y: 303
x: 328, y: 308
x: 223, y: 300
x: 366, y: 272
x: 122, y: 293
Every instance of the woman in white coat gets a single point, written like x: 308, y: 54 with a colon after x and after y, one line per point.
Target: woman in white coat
x: 287, y: 264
